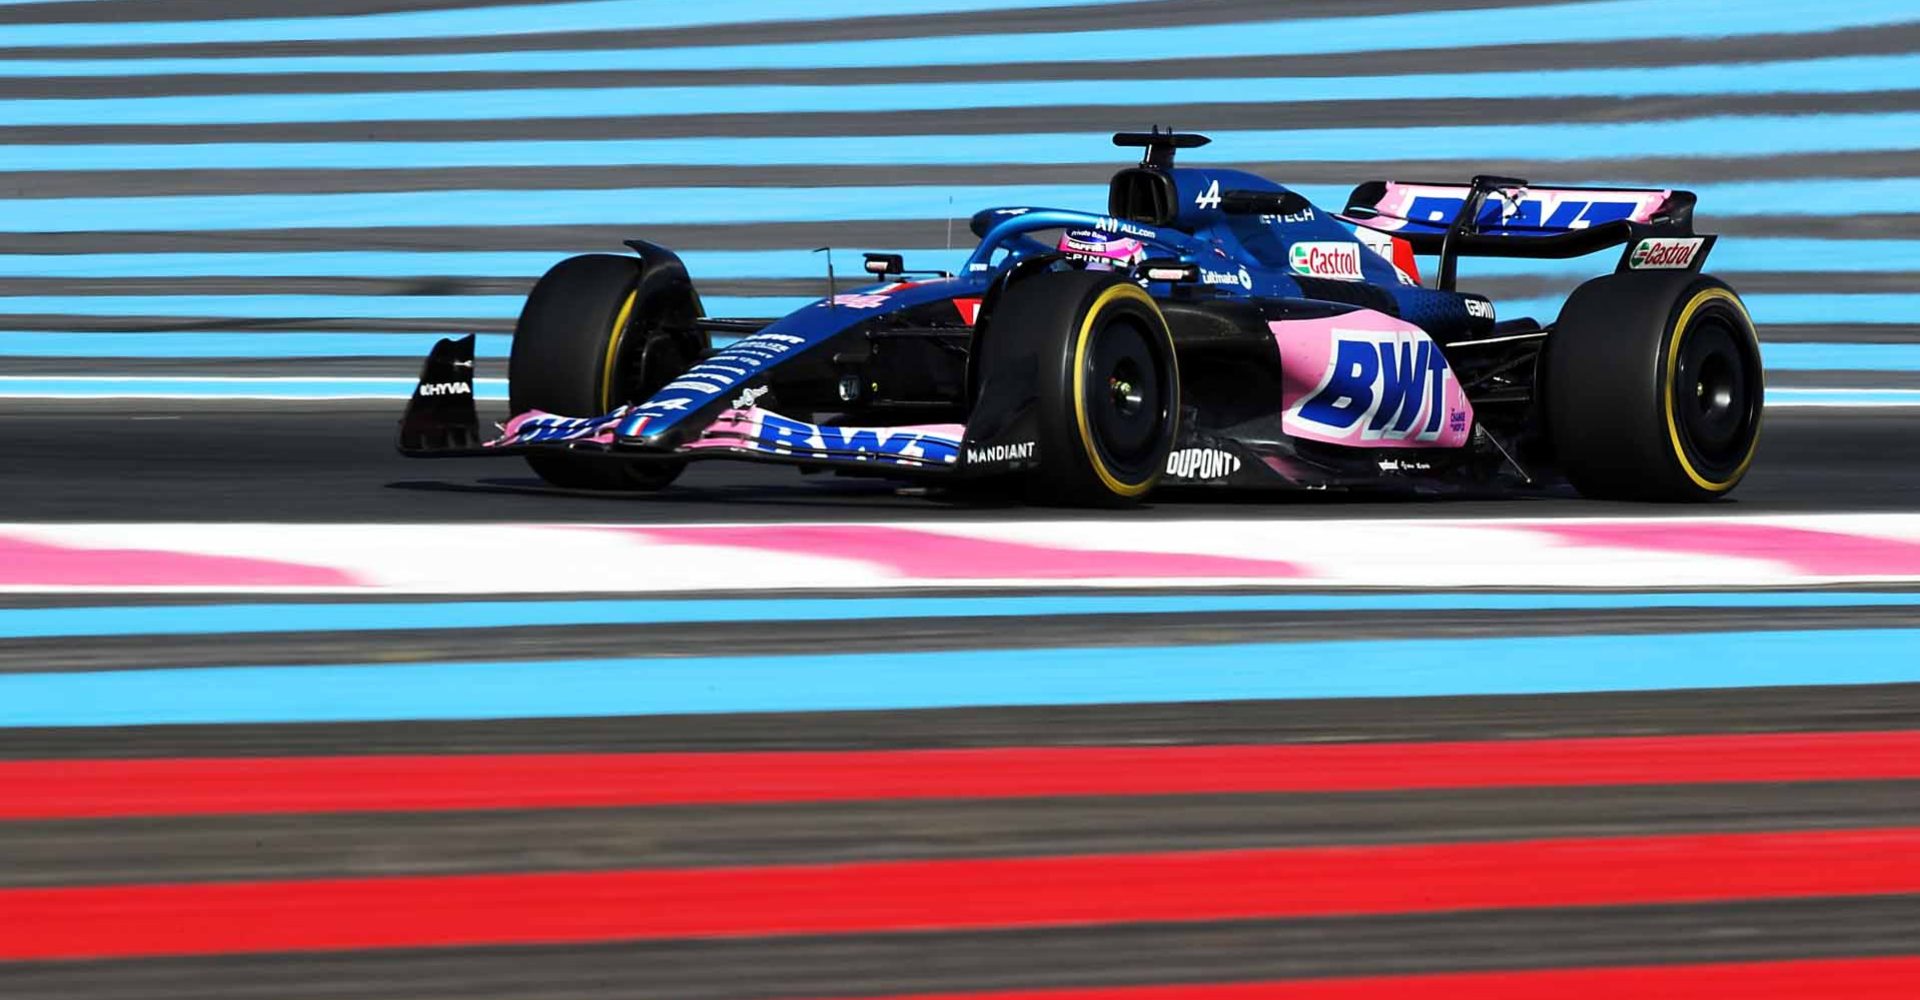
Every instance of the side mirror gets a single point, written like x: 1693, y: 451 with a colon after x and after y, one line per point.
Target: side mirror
x: 883, y: 264
x: 1167, y: 269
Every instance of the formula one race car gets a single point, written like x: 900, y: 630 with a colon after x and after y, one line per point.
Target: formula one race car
x: 1212, y: 328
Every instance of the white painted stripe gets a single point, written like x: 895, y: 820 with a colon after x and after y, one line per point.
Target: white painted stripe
x: 1659, y: 552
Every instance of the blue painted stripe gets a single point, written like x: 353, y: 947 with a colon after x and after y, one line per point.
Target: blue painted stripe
x: 1757, y: 135
x: 927, y: 680
x: 1842, y: 357
x: 234, y: 619
x: 704, y: 265
x: 411, y: 344
x: 190, y: 387
x: 1847, y: 74
x: 414, y: 344
x: 297, y: 307
x: 692, y: 206
x: 531, y: 19
x: 1592, y: 23
x: 166, y: 387
x: 1731, y: 254
x: 1766, y: 307
x: 1842, y: 397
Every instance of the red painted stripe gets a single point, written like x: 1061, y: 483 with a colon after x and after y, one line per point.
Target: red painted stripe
x: 54, y: 789
x: 214, y: 918
x: 1833, y: 979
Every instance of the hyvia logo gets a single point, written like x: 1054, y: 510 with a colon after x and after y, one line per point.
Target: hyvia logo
x: 1390, y: 386
x: 1339, y: 261
x: 1202, y: 463
x: 1664, y: 255
x: 782, y: 436
x: 446, y: 388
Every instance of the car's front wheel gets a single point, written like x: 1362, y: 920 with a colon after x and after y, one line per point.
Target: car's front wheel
x: 1107, y: 395
x: 598, y: 331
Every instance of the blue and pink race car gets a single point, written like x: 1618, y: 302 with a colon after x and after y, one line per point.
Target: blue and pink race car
x: 1211, y: 328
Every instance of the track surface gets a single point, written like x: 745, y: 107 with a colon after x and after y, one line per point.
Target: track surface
x: 238, y: 461
x: 1630, y: 894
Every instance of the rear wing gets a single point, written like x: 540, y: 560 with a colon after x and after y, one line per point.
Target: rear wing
x: 1507, y: 217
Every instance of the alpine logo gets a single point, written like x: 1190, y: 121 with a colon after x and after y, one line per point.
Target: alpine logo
x: 1210, y: 198
x: 1390, y: 386
x: 1664, y: 255
x: 446, y: 388
x: 1202, y: 463
x: 1339, y: 261
x: 1000, y: 453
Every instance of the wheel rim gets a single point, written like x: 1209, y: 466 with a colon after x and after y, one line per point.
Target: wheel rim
x: 1715, y: 394
x: 1124, y: 386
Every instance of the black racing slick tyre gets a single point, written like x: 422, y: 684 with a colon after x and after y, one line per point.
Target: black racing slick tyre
x: 598, y: 331
x: 1107, y: 395
x: 1653, y: 387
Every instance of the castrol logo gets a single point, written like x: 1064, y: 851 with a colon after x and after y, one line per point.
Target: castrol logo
x: 1339, y: 261
x: 1655, y: 254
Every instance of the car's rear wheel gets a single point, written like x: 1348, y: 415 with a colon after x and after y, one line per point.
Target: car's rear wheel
x: 1108, y: 387
x: 599, y: 331
x: 1653, y: 387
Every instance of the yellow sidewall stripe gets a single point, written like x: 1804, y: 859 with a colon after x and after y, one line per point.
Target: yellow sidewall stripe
x: 1680, y: 331
x: 1135, y: 292
x: 614, y: 337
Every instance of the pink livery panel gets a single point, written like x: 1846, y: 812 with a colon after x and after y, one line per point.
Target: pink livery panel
x: 1368, y: 380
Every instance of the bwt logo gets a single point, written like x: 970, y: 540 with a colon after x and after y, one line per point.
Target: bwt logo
x: 1544, y: 212
x: 1388, y: 385
x: 783, y: 436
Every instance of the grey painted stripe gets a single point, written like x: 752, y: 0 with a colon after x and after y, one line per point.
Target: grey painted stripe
x: 1680, y: 171
x: 1211, y: 117
x: 1750, y: 710
x: 1887, y: 333
x: 800, y: 29
x: 1898, y: 39
x: 774, y: 638
x: 1842, y: 380
x: 784, y: 235
x: 361, y: 845
x: 130, y: 11
x: 1747, y: 282
x: 845, y: 965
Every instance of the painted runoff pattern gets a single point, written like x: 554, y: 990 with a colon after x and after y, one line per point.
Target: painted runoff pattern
x: 181, y: 199
x: 486, y: 760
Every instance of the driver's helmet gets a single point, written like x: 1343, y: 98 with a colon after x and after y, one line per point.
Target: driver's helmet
x: 1102, y: 251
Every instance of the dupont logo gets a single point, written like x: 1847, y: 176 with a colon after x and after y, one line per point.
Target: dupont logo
x: 1667, y: 255
x: 1340, y: 261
